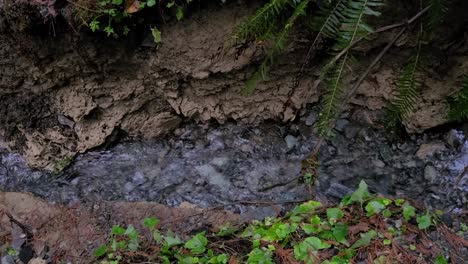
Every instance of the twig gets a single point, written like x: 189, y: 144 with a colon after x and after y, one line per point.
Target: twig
x: 218, y: 207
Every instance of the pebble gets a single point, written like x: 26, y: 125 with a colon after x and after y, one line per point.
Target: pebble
x: 378, y: 163
x: 311, y: 119
x: 291, y: 141
x: 430, y: 173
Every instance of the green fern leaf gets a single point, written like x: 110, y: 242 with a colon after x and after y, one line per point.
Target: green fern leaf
x: 279, y: 42
x: 263, y: 23
x: 458, y: 105
x: 436, y: 14
x: 333, y: 97
x: 407, y: 90
x: 352, y: 27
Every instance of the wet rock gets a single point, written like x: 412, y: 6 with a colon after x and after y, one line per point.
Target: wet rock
x: 341, y: 124
x: 430, y: 173
x: 338, y: 190
x: 291, y: 141
x: 37, y: 261
x: 311, y: 118
x: 454, y: 138
x: 378, y: 163
x: 8, y: 260
x: 429, y: 149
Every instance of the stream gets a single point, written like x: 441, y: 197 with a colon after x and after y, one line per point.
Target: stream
x: 212, y: 164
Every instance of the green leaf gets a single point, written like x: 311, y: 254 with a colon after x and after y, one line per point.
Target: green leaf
x: 100, y: 251
x: 197, y: 244
x: 109, y: 30
x: 387, y: 242
x: 220, y: 259
x: 374, y: 207
x: 94, y: 25
x: 179, y: 13
x: 424, y: 221
x: 399, y: 202
x: 226, y: 230
x: 334, y: 214
x: 117, y: 230
x: 364, y: 240
x: 340, y: 230
x: 408, y: 211
x: 259, y: 256
x: 156, y: 35
x: 307, y: 207
x: 440, y: 259
x: 151, y: 3
x: 131, y: 232
x: 170, y: 4
x: 310, y: 244
x: 172, y: 240
x: 387, y: 213
x: 150, y: 222
x: 117, y: 2
x: 360, y: 194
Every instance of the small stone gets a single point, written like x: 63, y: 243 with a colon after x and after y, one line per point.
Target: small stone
x: 454, y: 138
x: 341, y: 124
x: 138, y: 178
x: 220, y: 161
x: 338, y: 190
x: 429, y: 149
x: 311, y: 118
x: 378, y: 163
x: 351, y: 132
x: 129, y: 187
x: 430, y: 173
x: 37, y: 261
x: 291, y: 141
x: 7, y: 260
x: 410, y: 164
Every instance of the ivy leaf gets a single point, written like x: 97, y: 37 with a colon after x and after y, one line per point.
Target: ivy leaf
x: 440, y: 260
x: 339, y: 232
x: 170, y: 4
x: 303, y: 249
x: 334, y: 214
x: 151, y: 3
x: 258, y: 256
x: 117, y: 230
x: 360, y: 194
x: 374, y: 207
x: 100, y: 251
x: 305, y: 207
x: 150, y: 222
x: 172, y: 240
x: 179, y: 13
x: 197, y: 244
x: 156, y: 35
x: 408, y: 211
x: 424, y: 221
x: 364, y: 240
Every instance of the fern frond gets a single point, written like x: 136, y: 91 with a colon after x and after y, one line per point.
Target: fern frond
x: 279, y: 42
x: 329, y: 20
x: 436, y: 13
x: 458, y: 105
x: 352, y: 27
x: 263, y: 23
x: 332, y: 99
x: 407, y: 90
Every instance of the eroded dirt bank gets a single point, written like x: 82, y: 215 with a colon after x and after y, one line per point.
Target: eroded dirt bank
x: 67, y: 93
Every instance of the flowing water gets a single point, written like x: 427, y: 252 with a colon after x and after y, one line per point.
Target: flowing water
x: 210, y: 165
